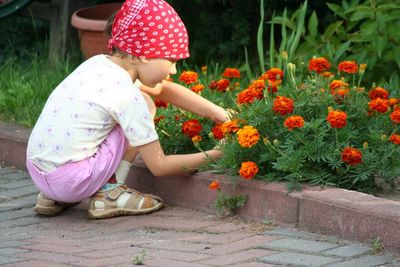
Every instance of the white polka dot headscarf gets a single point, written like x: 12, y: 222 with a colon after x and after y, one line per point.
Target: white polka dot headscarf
x: 151, y: 29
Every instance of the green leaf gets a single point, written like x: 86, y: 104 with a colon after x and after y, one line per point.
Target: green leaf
x: 369, y: 27
x: 331, y: 30
x: 313, y: 24
x: 380, y: 44
x: 342, y: 48
x: 336, y: 9
x: 362, y: 14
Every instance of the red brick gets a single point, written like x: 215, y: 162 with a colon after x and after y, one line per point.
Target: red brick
x: 37, y: 263
x: 49, y: 247
x: 224, y: 228
x: 176, y: 255
x: 171, y: 263
x: 253, y: 264
x: 106, y: 261
x: 178, y: 245
x: 242, y: 256
x: 52, y: 257
x: 110, y: 253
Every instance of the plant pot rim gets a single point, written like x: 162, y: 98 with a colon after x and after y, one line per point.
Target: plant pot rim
x: 83, y: 20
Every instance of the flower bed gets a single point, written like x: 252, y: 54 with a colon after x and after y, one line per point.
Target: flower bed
x: 316, y: 125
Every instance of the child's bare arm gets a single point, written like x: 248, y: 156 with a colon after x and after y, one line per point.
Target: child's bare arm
x: 164, y: 165
x: 180, y: 96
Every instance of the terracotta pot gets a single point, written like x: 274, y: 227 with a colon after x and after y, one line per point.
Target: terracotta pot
x: 90, y: 23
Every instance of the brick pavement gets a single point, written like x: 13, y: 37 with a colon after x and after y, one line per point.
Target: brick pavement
x: 174, y: 236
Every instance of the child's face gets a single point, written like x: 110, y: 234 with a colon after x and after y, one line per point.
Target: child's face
x: 155, y: 70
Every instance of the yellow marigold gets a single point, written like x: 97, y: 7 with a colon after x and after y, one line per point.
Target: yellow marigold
x: 248, y: 169
x: 293, y: 122
x: 231, y: 73
x: 348, y: 67
x: 248, y: 136
x: 197, y: 88
x: 196, y: 139
x: 189, y: 77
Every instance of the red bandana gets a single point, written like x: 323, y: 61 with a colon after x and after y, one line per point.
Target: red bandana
x: 149, y: 28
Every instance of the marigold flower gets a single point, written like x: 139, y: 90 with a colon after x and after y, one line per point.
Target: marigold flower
x: 158, y: 119
x: 341, y: 92
x: 248, y: 136
x: 378, y: 92
x: 395, y: 116
x: 246, y: 96
x: 189, y: 77
x: 160, y: 104
x: 338, y: 84
x: 379, y: 104
x: 293, y: 122
x: 191, y: 127
x: 319, y: 64
x: 257, y: 86
x: 327, y: 74
x: 197, y: 88
x: 196, y: 139
x: 392, y: 101
x: 272, y: 74
x: 395, y: 138
x: 351, y: 156
x: 248, y: 169
x: 220, y: 85
x: 214, y: 185
x: 218, y: 134
x: 230, y: 127
x: 273, y: 85
x: 204, y: 69
x: 231, y: 73
x: 348, y: 67
x: 337, y: 118
x: 283, y: 105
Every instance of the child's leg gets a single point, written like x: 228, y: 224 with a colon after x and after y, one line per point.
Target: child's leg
x: 123, y: 169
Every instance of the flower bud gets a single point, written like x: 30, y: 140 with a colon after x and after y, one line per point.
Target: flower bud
x: 291, y: 67
x: 362, y: 68
x: 383, y: 137
x: 211, y: 135
x: 285, y: 55
x: 266, y: 141
x: 275, y: 142
x: 330, y: 109
x: 365, y: 145
x: 360, y: 89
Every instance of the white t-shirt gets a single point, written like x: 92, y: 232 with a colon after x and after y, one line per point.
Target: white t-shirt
x: 82, y: 111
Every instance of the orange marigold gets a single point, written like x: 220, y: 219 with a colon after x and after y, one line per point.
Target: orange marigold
x: 393, y: 101
x: 230, y: 127
x: 378, y: 92
x: 379, y: 104
x: 231, y: 73
x: 283, y: 105
x: 327, y: 74
x: 220, y: 85
x: 337, y: 118
x: 160, y: 104
x: 293, y: 122
x: 197, y: 88
x: 351, y: 156
x: 196, y: 139
x: 248, y: 169
x: 248, y: 136
x: 272, y: 74
x: 273, y: 85
x: 319, y: 64
x: 204, y: 69
x: 246, y: 96
x: 191, y: 127
x: 395, y: 116
x: 348, y: 67
x: 395, y: 138
x: 214, y: 185
x: 338, y: 84
x: 217, y: 131
x: 189, y: 77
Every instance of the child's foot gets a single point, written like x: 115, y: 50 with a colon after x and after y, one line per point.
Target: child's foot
x: 122, y: 201
x: 48, y: 207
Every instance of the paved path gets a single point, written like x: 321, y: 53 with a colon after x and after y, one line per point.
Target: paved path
x: 173, y: 236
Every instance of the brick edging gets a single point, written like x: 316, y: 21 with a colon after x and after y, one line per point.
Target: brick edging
x: 331, y: 211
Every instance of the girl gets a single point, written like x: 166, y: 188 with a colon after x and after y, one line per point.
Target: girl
x: 100, y: 117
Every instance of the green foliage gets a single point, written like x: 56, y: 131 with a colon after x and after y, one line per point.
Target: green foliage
x: 365, y: 31
x: 25, y: 87
x: 227, y: 204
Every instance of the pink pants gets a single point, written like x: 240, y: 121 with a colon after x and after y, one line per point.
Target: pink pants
x: 76, y: 181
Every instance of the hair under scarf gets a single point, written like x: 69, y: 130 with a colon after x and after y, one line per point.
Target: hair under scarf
x: 150, y: 29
